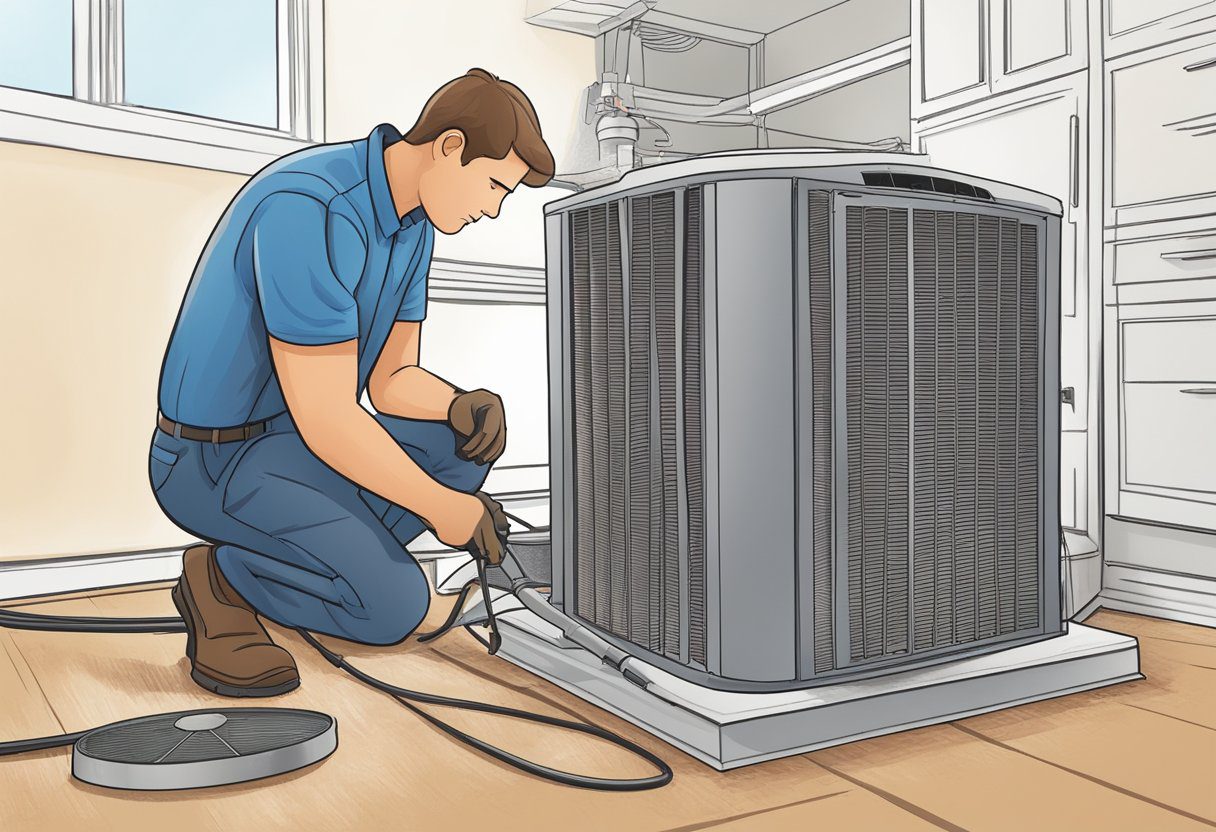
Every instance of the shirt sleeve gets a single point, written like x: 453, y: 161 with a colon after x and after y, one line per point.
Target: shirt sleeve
x: 299, y: 259
x: 413, y: 303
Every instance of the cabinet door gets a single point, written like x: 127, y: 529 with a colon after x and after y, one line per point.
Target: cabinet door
x: 1167, y: 406
x: 1034, y: 40
x: 1036, y: 142
x: 1132, y: 25
x: 949, y: 53
x: 1162, y: 134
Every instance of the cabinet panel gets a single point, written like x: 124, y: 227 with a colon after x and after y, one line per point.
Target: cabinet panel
x: 952, y: 46
x: 1132, y: 14
x: 1168, y: 438
x: 1163, y: 128
x: 1166, y: 409
x: 1034, y: 40
x: 1035, y: 31
x: 1170, y: 351
x: 1182, y: 257
x: 1138, y: 24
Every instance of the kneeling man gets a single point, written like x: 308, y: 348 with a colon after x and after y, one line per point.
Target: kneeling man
x: 311, y: 291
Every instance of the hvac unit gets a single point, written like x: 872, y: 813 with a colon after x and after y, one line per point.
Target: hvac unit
x: 804, y: 416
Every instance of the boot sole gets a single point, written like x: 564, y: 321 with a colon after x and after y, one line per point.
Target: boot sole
x: 214, y: 685
x: 205, y: 681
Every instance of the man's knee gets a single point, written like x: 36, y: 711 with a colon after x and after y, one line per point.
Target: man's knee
x: 436, y: 447
x: 392, y: 609
x: 464, y: 474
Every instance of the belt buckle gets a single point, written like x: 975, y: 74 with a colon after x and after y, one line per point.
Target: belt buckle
x: 215, y: 436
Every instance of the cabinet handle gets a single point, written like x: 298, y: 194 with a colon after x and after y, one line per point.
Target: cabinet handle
x: 1198, y: 65
x: 1201, y: 254
x: 1201, y: 391
x: 1074, y: 154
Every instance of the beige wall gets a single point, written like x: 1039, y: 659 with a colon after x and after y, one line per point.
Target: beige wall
x: 96, y: 251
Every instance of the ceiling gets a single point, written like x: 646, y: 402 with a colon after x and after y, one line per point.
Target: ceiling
x: 759, y: 17
x: 762, y: 16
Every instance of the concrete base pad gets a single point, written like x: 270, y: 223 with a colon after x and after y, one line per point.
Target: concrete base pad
x: 727, y: 730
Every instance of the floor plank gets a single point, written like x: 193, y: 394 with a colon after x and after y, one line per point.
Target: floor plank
x: 853, y: 809
x: 1144, y: 625
x: 974, y: 784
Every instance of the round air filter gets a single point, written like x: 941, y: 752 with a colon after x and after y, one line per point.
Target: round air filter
x: 194, y: 749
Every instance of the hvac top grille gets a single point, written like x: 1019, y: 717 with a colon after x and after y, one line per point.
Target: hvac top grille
x: 920, y: 182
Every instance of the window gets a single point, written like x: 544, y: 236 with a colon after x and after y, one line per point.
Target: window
x: 223, y: 84
x: 216, y: 59
x: 36, y: 45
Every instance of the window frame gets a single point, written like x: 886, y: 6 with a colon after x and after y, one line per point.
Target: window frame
x: 94, y: 118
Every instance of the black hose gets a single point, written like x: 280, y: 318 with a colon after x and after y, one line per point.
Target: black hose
x: 39, y: 743
x: 14, y: 619
x: 405, y: 695
x: 457, y: 608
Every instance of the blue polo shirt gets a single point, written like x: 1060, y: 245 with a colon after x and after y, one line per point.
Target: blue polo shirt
x: 311, y: 251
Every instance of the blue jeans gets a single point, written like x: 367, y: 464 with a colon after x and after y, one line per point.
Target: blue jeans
x: 305, y: 546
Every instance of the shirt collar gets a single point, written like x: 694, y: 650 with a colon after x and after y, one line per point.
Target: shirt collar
x: 377, y: 178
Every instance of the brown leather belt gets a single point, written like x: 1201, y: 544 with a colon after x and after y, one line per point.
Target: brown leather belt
x: 215, y: 436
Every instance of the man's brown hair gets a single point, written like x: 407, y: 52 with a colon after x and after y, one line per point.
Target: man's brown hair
x: 495, y: 117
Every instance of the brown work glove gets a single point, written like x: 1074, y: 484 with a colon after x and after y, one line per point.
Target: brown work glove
x: 477, y: 417
x: 490, y: 534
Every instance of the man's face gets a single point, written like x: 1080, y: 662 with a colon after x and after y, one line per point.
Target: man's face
x: 455, y: 195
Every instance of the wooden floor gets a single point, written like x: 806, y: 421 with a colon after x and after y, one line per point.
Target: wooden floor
x: 1138, y: 756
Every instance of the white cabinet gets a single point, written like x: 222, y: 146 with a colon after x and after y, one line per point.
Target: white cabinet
x: 1161, y: 125
x: 965, y: 50
x: 1036, y: 139
x: 1167, y: 410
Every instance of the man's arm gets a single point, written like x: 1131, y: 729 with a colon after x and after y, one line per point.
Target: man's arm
x: 318, y: 384
x: 399, y: 387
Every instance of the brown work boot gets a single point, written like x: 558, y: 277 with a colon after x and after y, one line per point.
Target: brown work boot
x: 230, y: 651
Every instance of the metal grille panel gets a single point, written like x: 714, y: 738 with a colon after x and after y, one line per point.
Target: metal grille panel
x: 819, y: 258
x: 694, y: 472
x: 877, y: 390
x: 976, y: 433
x: 627, y: 388
x: 663, y: 286
x: 972, y: 463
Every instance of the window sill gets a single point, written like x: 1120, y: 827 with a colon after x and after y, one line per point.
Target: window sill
x: 38, y: 118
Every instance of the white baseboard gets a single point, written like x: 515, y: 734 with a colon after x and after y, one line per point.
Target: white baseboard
x: 1160, y: 570
x: 27, y: 579
x: 1187, y: 598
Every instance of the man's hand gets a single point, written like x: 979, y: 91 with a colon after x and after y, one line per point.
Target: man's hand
x: 475, y: 523
x: 477, y: 416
